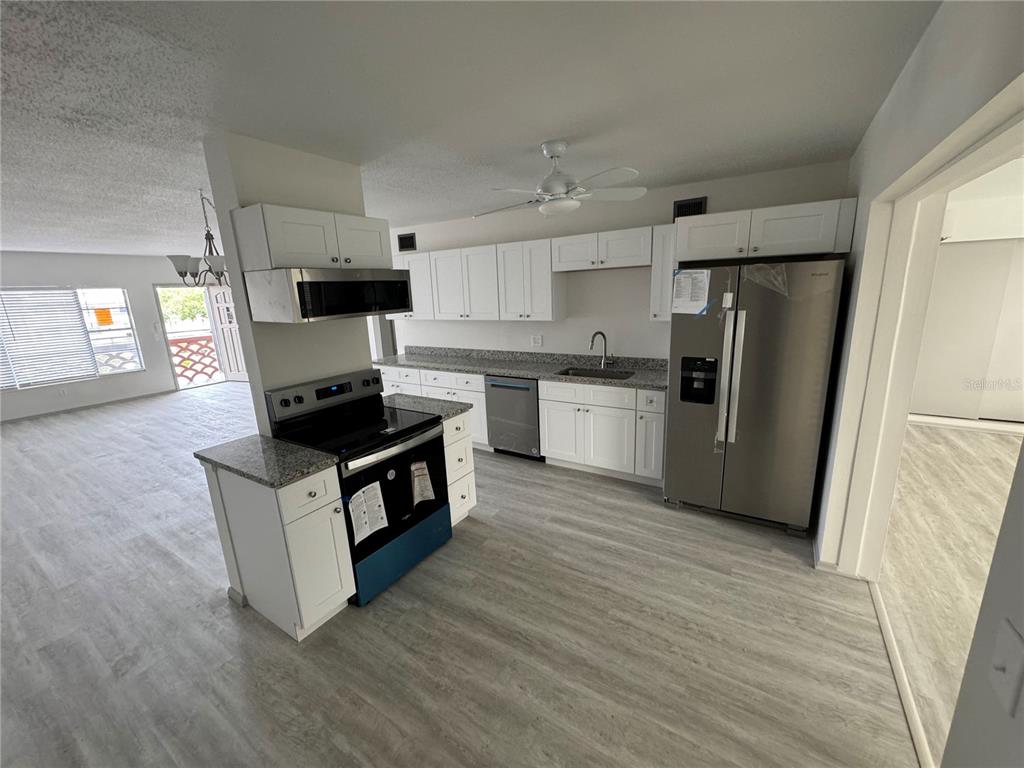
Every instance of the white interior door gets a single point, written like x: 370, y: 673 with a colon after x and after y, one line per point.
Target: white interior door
x: 446, y: 278
x: 225, y: 333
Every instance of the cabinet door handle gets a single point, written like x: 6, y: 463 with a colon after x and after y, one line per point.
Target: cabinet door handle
x: 641, y: 418
x: 337, y: 510
x: 593, y: 262
x: 739, y: 250
x: 311, y: 494
x: 755, y: 249
x: 458, y: 429
x: 460, y: 459
x: 529, y: 315
x: 462, y: 496
x: 578, y: 410
x: 348, y: 260
x: 334, y: 259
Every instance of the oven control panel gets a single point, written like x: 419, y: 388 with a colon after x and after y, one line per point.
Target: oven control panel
x: 297, y: 399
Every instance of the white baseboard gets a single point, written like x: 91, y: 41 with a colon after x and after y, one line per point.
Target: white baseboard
x: 606, y: 472
x: 899, y: 672
x: 983, y: 425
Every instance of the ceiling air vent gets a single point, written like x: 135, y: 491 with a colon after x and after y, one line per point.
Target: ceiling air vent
x: 407, y: 242
x: 694, y: 206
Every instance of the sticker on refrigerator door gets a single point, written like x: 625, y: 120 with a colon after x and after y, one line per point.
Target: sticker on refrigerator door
x: 366, y: 510
x: 422, y: 490
x: 690, y: 291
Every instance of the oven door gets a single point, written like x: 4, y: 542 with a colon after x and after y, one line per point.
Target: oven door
x: 409, y: 495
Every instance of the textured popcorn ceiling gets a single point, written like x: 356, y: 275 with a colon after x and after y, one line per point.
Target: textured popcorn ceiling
x: 104, y: 106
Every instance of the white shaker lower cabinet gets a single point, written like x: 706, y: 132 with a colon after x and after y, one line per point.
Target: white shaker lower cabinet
x: 561, y: 430
x: 291, y: 548
x: 609, y: 438
x: 650, y: 444
x: 458, y: 457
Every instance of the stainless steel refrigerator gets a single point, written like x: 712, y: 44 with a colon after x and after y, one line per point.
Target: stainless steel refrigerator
x: 748, y: 382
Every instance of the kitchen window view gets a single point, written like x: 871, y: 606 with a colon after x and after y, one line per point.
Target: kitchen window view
x: 54, y: 335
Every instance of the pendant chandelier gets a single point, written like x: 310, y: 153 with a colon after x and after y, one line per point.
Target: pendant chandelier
x: 190, y: 268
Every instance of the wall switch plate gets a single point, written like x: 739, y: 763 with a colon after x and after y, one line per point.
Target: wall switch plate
x: 537, y: 341
x: 1006, y: 668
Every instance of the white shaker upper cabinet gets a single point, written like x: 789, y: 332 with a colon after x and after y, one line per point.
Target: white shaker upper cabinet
x: 540, y: 287
x: 446, y: 277
x: 573, y: 253
x: 788, y: 230
x: 480, y: 281
x: 363, y: 243
x: 663, y: 261
x: 401, y: 261
x: 300, y: 238
x: 512, y: 279
x: 713, y: 236
x: 420, y: 285
x: 624, y: 248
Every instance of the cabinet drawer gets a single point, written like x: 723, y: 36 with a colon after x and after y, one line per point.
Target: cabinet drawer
x: 471, y: 381
x: 562, y: 391
x: 612, y: 397
x: 438, y: 393
x: 437, y: 378
x: 388, y: 372
x: 458, y: 458
x: 462, y: 497
x: 398, y: 388
x: 409, y: 375
x: 650, y: 400
x: 308, y: 494
x: 456, y: 428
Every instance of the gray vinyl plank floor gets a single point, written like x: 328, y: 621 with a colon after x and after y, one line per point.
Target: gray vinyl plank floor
x: 951, y: 493
x: 573, y: 620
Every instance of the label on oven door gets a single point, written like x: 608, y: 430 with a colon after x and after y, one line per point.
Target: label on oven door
x: 422, y: 490
x: 366, y: 509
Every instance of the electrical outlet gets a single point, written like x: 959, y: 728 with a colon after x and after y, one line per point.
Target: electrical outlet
x: 537, y: 341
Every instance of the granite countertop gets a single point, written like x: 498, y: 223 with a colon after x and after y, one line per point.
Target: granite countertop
x: 651, y: 373
x: 270, y: 462
x: 446, y: 409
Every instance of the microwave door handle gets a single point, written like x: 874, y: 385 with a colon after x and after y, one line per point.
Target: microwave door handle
x: 351, y: 467
x: 723, y: 376
x: 734, y: 397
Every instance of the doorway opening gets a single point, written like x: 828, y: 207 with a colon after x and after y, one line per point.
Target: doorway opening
x: 963, y: 435
x: 201, y: 333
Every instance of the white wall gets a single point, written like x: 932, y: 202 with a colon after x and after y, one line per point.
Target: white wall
x: 975, y: 302
x: 616, y: 301
x: 244, y: 171
x: 968, y: 54
x: 136, y: 274
x: 982, y: 734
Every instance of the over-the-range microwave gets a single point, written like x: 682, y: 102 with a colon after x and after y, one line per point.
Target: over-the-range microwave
x: 305, y: 295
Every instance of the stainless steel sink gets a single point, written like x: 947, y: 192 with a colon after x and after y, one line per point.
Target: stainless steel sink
x: 596, y: 373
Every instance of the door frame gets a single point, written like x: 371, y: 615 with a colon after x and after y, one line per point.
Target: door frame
x: 163, y: 330
x: 904, y: 224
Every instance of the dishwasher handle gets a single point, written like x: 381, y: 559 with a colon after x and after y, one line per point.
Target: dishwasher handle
x: 503, y: 385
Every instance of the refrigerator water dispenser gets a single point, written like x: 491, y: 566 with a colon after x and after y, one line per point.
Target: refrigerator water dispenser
x: 698, y: 379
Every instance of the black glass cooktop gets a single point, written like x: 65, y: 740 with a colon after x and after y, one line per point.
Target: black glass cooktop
x: 355, y: 428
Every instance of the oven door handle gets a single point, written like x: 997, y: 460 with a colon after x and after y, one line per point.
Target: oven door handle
x: 351, y: 467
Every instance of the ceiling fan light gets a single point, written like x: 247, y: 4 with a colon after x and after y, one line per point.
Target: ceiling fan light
x: 180, y: 262
x: 563, y: 205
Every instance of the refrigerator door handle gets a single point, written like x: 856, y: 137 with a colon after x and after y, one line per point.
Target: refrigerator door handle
x: 734, y: 397
x: 723, y: 376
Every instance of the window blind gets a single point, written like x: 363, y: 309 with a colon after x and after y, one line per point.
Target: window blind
x: 45, y: 336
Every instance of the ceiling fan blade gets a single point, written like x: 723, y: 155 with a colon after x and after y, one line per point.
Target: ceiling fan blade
x: 517, y: 191
x: 524, y: 204
x: 609, y: 178
x: 616, y: 194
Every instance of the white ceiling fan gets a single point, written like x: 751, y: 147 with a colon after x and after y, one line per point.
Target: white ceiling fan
x: 561, y: 192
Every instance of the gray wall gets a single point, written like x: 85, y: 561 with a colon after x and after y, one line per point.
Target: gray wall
x: 968, y: 54
x: 617, y: 300
x: 972, y: 362
x: 136, y: 274
x: 983, y: 735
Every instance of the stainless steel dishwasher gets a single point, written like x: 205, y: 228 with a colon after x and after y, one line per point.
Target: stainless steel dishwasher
x: 513, y: 422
